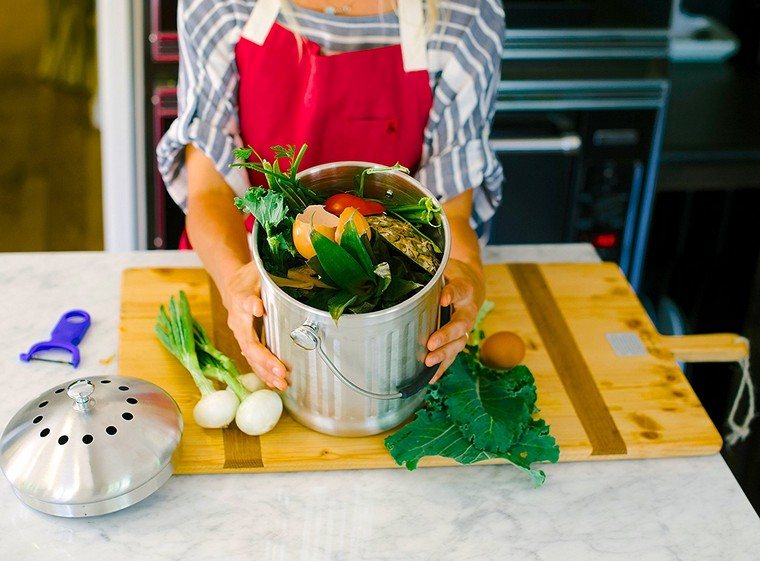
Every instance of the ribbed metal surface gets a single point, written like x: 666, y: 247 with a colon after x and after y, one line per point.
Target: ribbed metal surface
x: 379, y: 356
x: 379, y: 352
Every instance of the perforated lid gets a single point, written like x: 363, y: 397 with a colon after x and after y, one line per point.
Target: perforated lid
x: 91, y: 446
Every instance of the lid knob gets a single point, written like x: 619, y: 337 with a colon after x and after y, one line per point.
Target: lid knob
x: 80, y: 391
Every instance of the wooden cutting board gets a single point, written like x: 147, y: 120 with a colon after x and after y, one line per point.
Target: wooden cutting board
x: 608, y: 383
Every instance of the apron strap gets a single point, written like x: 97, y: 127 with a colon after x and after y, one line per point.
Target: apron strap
x: 261, y: 20
x: 412, y: 30
x: 411, y: 27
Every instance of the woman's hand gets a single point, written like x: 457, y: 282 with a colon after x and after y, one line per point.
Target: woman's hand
x: 464, y: 292
x: 217, y: 232
x: 243, y: 302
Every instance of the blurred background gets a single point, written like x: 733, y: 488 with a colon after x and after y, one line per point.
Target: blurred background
x: 633, y: 125
x: 50, y: 174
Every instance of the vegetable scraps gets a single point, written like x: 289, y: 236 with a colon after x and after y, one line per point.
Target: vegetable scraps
x: 336, y: 264
x: 477, y: 413
x: 254, y: 411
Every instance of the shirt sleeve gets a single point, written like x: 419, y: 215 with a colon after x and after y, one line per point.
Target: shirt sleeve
x: 206, y: 95
x: 456, y: 154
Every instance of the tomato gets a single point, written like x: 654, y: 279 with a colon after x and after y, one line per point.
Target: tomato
x: 340, y: 201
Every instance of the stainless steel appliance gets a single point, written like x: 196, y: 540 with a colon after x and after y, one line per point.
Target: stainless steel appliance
x: 578, y: 125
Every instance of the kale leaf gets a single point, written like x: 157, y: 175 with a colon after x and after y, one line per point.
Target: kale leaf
x: 476, y: 413
x: 271, y: 213
x: 490, y: 408
x: 266, y: 205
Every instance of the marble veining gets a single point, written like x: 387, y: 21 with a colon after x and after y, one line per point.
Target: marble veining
x: 645, y: 510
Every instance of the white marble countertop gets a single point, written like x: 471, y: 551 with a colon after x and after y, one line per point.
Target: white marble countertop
x: 647, y: 510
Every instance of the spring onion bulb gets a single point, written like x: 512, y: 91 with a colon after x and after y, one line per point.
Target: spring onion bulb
x: 255, y: 410
x: 215, y: 410
x: 251, y: 382
x: 175, y: 331
x: 259, y: 412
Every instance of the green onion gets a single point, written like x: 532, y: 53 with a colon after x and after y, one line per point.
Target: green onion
x: 254, y: 412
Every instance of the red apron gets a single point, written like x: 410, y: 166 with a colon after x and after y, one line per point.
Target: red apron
x: 359, y: 105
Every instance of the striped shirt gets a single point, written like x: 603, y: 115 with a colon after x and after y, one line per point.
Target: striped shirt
x: 464, y: 55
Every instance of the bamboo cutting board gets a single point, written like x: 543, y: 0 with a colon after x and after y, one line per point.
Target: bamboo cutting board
x: 608, y: 383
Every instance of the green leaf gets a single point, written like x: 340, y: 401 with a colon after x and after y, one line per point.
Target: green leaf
x: 398, y: 289
x: 317, y: 267
x: 534, y: 445
x: 491, y: 410
x: 280, y: 244
x: 431, y: 433
x: 242, y: 153
x: 319, y: 298
x: 351, y: 242
x: 296, y: 162
x: 383, y: 278
x: 286, y: 152
x: 296, y: 196
x: 267, y: 206
x: 425, y: 212
x: 339, y: 265
x: 476, y: 413
x: 339, y: 302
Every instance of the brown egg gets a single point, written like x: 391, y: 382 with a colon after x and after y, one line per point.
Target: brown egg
x: 502, y: 350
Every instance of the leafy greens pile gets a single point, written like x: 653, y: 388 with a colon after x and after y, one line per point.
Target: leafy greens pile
x: 355, y: 274
x: 476, y: 413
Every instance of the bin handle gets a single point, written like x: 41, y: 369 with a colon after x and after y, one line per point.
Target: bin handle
x: 307, y: 337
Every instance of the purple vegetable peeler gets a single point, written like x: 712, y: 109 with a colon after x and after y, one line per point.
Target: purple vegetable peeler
x: 66, y: 335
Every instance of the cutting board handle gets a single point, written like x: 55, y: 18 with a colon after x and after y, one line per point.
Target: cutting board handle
x: 716, y: 347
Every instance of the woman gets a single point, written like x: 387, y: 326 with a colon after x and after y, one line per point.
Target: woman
x: 372, y: 80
